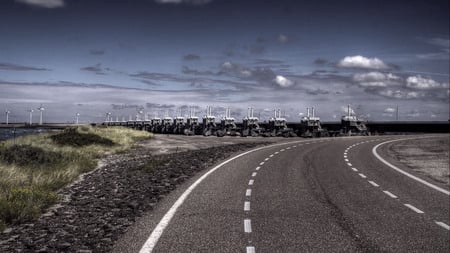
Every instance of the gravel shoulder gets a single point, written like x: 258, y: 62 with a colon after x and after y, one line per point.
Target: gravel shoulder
x: 96, y: 211
x: 426, y: 156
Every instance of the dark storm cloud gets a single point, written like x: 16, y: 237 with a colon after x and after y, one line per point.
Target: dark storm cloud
x: 159, y: 106
x: 317, y: 92
x: 97, y: 52
x: 193, y: 2
x: 16, y: 67
x: 188, y: 71
x: 321, y: 61
x: 196, y: 82
x: 124, y: 106
x: 191, y: 57
x: 49, y: 4
x: 268, y: 62
x: 97, y: 69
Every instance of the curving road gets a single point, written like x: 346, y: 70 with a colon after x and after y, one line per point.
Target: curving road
x: 320, y: 195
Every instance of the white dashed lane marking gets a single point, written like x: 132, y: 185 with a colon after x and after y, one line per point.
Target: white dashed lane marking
x: 247, y: 226
x: 415, y: 209
x: 349, y: 164
x: 262, y: 163
x: 257, y: 168
x: 442, y: 224
x: 390, y: 194
x: 373, y: 183
x: 251, y: 181
x: 248, y: 192
x: 247, y: 206
x: 254, y: 174
x: 362, y: 175
x: 250, y: 249
x: 267, y: 159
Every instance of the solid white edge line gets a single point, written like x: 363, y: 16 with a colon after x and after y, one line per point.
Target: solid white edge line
x: 373, y: 183
x: 251, y: 249
x: 442, y: 224
x: 390, y: 194
x: 415, y: 209
x: 247, y: 226
x: 247, y: 206
x: 374, y: 151
x: 248, y: 192
x: 152, y: 240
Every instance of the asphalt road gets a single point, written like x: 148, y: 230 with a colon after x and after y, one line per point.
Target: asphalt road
x: 318, y: 195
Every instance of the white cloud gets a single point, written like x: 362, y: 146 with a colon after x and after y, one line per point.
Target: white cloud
x: 283, y: 81
x: 376, y: 79
x: 227, y: 65
x: 246, y: 73
x: 359, y: 61
x: 389, y: 110
x: 420, y: 83
x: 43, y: 3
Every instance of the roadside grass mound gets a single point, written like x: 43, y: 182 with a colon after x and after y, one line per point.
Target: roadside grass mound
x: 33, y: 170
x: 27, y: 155
x: 72, y: 137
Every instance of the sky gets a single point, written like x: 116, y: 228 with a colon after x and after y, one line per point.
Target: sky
x: 166, y: 56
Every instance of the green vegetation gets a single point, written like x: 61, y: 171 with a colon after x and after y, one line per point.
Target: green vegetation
x: 33, y: 170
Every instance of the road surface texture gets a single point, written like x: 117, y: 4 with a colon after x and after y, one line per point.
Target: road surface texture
x: 316, y: 195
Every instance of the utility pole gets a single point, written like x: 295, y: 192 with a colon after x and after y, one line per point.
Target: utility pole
x: 396, y: 114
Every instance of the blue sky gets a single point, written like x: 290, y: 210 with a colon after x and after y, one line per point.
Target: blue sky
x: 98, y: 56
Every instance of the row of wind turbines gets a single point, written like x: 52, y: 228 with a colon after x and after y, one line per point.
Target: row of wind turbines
x: 41, y: 110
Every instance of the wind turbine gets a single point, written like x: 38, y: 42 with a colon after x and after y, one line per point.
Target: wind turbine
x: 41, y: 110
x: 108, y: 115
x: 31, y: 116
x: 78, y: 115
x: 7, y: 116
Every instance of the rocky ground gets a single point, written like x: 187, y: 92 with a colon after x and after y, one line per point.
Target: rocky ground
x: 96, y: 210
x: 428, y: 156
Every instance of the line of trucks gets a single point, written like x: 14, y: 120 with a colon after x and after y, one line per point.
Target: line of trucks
x: 277, y: 125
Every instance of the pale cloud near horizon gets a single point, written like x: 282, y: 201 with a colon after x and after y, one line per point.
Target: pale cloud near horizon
x: 418, y: 82
x: 376, y: 79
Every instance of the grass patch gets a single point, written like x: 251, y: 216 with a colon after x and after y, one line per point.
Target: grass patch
x: 38, y: 165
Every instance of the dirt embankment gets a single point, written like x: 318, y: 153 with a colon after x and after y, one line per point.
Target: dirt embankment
x: 428, y: 156
x: 98, y: 209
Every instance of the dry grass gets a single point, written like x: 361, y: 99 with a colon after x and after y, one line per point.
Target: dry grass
x: 32, y: 171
